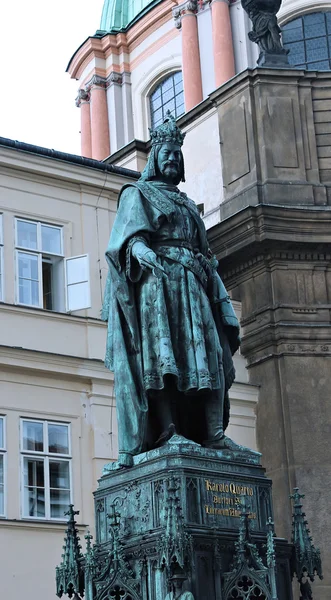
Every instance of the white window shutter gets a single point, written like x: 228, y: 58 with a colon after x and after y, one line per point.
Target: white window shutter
x: 78, y: 283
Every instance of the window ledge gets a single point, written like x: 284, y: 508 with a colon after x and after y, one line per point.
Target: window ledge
x: 37, y: 524
x: 49, y: 314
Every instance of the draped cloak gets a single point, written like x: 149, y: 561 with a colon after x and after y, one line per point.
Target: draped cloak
x: 145, y: 211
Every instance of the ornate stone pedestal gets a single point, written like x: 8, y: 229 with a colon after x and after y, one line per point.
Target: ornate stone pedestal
x: 179, y: 507
x: 187, y: 523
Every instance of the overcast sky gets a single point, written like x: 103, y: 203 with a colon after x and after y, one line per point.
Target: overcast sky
x: 37, y: 39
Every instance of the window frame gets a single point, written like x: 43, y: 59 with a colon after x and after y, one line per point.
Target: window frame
x: 67, y: 285
x: 3, y: 452
x: 46, y: 457
x: 40, y: 253
x: 153, y: 89
x: 40, y: 284
x: 39, y: 249
x: 308, y: 65
x: 2, y: 279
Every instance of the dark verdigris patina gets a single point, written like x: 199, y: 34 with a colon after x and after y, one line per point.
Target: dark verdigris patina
x: 172, y: 330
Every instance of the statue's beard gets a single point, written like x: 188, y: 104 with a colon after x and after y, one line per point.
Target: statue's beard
x: 170, y: 172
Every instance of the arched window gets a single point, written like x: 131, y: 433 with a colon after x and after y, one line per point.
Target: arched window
x: 168, y: 95
x: 309, y: 40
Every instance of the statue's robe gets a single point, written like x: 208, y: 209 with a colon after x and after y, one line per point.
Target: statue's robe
x: 182, y: 325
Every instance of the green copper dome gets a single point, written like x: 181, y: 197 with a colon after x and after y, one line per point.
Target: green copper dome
x: 118, y: 14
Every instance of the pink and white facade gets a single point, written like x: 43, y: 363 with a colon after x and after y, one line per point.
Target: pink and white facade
x: 118, y: 71
x: 206, y: 42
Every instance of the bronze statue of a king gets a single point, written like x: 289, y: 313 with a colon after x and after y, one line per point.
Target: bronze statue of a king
x: 172, y: 329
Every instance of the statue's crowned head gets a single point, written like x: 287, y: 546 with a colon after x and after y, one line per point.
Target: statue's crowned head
x: 166, y: 161
x: 167, y: 132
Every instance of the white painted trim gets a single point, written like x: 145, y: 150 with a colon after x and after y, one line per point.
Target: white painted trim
x: 17, y: 293
x: 39, y: 242
x: 296, y: 8
x: 35, y: 252
x: 88, y: 281
x: 3, y: 452
x: 5, y: 486
x: 2, y: 278
x: 45, y: 423
x: 4, y: 448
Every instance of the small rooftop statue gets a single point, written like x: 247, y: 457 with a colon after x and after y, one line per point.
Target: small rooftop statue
x: 266, y: 32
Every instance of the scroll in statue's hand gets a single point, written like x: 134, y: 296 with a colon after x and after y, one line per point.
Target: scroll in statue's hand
x: 147, y: 259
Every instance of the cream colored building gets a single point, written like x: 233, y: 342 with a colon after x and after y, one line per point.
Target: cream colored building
x: 57, y: 407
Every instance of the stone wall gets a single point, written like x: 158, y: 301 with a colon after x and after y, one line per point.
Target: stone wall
x: 274, y: 246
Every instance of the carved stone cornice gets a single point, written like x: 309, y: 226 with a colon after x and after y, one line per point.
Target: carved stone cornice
x: 267, y: 339
x: 188, y: 7
x: 252, y: 234
x: 261, y: 261
x: 83, y: 96
x: 261, y: 355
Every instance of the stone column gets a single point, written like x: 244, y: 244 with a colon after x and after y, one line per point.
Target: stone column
x: 83, y: 101
x: 99, y: 118
x: 186, y: 19
x: 222, y: 42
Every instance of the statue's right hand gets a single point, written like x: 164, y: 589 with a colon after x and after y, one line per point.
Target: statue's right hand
x: 147, y: 259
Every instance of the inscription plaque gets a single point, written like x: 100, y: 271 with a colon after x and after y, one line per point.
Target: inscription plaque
x: 226, y: 499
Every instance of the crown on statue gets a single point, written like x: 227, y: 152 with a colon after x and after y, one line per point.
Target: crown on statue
x: 167, y: 132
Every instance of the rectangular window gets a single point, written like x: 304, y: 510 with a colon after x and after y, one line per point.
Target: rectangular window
x: 46, y: 466
x: 40, y: 269
x: 2, y: 466
x: 1, y: 259
x: 39, y: 265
